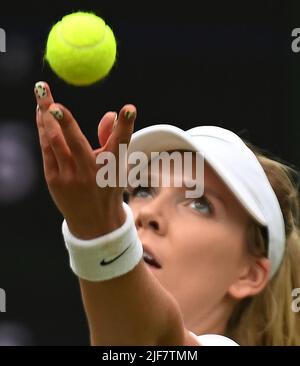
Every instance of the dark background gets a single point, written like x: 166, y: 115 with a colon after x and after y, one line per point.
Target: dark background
x: 192, y: 63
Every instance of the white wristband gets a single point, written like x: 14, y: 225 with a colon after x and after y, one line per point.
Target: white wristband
x: 107, y: 256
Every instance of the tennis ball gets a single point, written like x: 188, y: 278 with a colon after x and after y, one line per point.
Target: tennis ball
x: 81, y: 48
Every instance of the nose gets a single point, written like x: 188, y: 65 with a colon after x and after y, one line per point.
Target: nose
x: 150, y: 216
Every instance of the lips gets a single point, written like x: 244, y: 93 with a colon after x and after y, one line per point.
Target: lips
x: 149, y: 258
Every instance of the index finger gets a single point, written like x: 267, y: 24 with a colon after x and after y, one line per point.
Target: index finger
x: 43, y: 95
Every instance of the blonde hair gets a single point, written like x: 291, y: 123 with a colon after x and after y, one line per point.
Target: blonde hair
x: 267, y: 319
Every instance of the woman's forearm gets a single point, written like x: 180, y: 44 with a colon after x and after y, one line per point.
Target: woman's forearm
x: 133, y: 309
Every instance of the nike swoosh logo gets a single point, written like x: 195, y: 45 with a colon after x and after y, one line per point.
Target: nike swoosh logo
x: 105, y: 263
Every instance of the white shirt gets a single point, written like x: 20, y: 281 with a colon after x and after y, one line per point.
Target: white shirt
x: 213, y: 340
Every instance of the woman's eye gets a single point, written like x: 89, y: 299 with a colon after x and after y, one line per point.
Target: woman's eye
x: 141, y: 192
x: 203, y: 205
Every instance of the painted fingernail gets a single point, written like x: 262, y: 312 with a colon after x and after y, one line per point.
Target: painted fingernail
x: 129, y: 115
x: 57, y: 114
x: 40, y: 90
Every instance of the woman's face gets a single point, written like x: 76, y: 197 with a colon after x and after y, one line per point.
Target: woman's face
x: 200, y: 245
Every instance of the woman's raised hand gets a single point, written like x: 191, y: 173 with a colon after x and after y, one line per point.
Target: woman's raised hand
x: 70, y: 165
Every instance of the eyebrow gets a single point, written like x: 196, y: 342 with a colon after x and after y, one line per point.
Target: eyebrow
x: 210, y: 191
x: 216, y: 195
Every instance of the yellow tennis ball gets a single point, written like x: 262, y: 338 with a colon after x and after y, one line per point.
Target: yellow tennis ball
x: 81, y: 48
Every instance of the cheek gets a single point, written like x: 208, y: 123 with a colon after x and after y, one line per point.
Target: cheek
x: 208, y: 250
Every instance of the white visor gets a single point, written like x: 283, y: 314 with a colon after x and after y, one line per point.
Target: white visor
x: 234, y: 163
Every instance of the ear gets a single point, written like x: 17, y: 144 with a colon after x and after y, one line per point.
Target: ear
x: 252, y: 279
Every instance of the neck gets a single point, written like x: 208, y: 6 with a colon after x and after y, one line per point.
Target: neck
x: 211, y: 321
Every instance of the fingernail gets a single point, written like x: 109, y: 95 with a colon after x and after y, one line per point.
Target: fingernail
x: 129, y: 115
x: 40, y: 90
x: 37, y: 108
x: 57, y: 114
